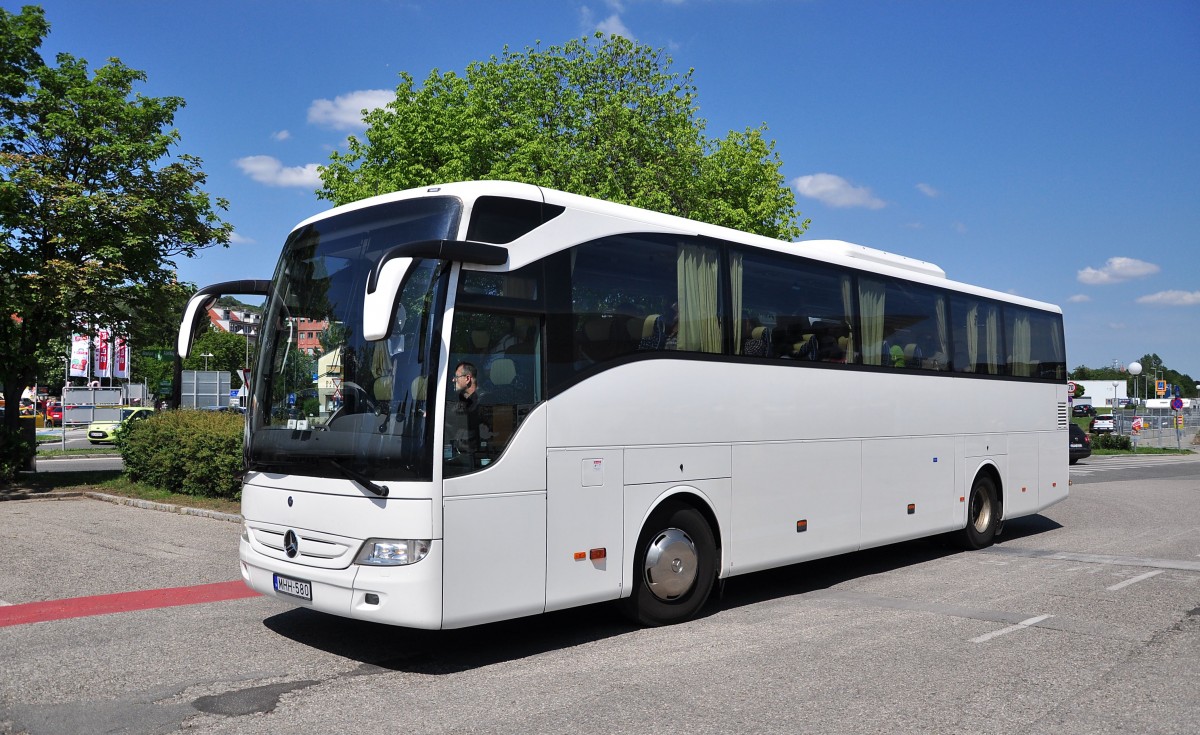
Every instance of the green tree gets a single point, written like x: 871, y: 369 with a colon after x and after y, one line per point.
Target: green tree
x: 228, y: 352
x: 93, y: 206
x: 609, y: 120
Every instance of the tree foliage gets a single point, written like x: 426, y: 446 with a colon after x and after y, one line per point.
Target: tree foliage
x: 1142, y: 385
x: 93, y: 205
x: 608, y: 120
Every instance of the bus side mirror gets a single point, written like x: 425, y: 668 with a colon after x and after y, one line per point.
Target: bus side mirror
x: 385, y: 284
x: 195, y: 315
x: 195, y: 319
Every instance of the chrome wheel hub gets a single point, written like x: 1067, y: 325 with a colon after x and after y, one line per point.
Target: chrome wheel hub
x: 671, y: 562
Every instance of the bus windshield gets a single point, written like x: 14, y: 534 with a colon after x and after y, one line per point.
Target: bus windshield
x: 326, y: 401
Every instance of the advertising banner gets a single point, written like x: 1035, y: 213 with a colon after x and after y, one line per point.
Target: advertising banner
x: 103, y: 354
x: 80, y: 354
x: 121, y: 358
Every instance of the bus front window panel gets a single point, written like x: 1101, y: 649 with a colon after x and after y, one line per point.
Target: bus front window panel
x: 360, y: 409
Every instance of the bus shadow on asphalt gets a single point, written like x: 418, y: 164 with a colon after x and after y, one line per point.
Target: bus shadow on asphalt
x: 379, y: 648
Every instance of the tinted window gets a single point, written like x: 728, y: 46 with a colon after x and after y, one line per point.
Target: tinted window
x: 646, y: 293
x: 791, y: 309
x: 1035, y: 344
x: 501, y: 220
x: 904, y: 325
x: 978, y: 334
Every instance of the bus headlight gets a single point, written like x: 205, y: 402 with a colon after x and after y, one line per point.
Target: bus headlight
x: 390, y: 552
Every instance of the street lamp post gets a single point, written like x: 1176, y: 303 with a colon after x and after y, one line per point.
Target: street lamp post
x: 1135, y: 369
x: 206, y: 355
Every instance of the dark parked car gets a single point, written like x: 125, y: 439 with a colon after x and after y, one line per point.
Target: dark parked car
x: 1081, y: 444
x: 1083, y: 410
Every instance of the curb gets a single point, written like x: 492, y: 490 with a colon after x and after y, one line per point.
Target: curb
x: 121, y: 500
x: 166, y: 507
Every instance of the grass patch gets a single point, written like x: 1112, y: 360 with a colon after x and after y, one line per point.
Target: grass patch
x: 1142, y: 450
x: 99, y: 450
x: 113, y: 482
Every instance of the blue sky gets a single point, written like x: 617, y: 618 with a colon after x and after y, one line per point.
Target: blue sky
x: 1047, y: 149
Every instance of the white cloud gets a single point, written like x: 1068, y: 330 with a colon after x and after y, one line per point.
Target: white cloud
x: 928, y: 191
x: 237, y: 239
x: 344, y: 112
x: 1172, y: 298
x: 612, y: 25
x: 835, y: 191
x: 281, y: 135
x: 1080, y: 298
x: 1116, y: 270
x: 270, y: 171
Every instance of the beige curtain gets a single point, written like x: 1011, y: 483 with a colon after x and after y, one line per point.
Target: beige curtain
x: 1021, y: 346
x: 943, y: 336
x: 1060, y: 358
x: 699, y: 326
x: 871, y: 297
x: 993, y: 340
x: 735, y: 288
x: 848, y: 310
x: 972, y: 338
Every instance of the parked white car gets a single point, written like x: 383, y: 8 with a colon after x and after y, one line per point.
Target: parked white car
x: 1103, y: 424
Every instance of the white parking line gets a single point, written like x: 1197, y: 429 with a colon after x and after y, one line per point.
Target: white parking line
x: 1019, y: 626
x: 1131, y: 580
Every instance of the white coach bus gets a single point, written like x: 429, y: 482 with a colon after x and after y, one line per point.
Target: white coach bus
x: 531, y: 400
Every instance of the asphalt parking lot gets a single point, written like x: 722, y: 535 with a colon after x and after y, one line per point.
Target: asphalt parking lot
x: 1084, y: 619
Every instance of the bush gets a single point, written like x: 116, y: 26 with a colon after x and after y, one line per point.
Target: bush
x: 188, y: 452
x: 1110, y: 441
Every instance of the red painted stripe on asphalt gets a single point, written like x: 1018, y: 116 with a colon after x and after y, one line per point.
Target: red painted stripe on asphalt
x: 81, y: 607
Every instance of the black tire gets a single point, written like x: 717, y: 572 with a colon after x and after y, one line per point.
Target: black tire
x: 983, y: 515
x: 681, y: 550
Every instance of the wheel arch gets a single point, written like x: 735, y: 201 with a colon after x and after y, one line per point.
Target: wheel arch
x: 690, y: 496
x: 693, y: 498
x: 990, y: 470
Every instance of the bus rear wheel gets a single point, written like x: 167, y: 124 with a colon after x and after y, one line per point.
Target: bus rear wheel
x: 983, y: 515
x: 674, y: 568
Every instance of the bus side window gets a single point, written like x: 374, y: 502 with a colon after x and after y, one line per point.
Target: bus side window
x: 506, y: 354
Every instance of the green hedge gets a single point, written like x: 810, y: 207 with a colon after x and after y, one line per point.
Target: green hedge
x: 1110, y: 441
x: 188, y: 452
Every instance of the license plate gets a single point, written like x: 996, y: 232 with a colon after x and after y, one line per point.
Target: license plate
x: 294, y: 587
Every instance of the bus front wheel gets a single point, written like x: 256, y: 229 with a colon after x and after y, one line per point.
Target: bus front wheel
x: 674, y: 568
x: 983, y: 515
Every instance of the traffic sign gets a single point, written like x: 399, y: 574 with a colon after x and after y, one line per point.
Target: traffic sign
x: 1176, y: 404
x: 1070, y: 388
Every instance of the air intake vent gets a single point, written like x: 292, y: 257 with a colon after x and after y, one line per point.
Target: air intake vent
x: 1063, y: 419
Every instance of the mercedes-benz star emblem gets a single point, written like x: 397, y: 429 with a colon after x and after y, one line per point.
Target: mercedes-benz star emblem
x: 291, y: 544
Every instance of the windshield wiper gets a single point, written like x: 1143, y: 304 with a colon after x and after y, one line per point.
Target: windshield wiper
x: 380, y: 490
